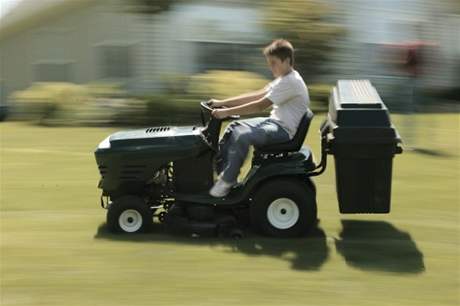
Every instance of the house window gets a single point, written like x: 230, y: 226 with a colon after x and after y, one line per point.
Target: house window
x: 116, y: 61
x: 53, y: 72
x: 226, y: 56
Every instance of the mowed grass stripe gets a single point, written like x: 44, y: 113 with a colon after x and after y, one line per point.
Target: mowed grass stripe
x: 55, y: 249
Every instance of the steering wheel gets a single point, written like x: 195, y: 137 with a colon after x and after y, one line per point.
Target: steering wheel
x: 205, y: 105
x: 205, y: 108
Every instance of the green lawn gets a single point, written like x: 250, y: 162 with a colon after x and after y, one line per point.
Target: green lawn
x: 55, y: 250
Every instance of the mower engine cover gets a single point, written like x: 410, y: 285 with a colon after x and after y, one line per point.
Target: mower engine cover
x: 130, y: 157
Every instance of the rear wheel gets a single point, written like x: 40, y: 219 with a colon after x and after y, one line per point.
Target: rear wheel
x: 129, y: 214
x: 284, y: 208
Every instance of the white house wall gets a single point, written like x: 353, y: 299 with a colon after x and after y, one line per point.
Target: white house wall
x: 74, y: 38
x: 169, y: 40
x: 166, y: 43
x: 161, y: 44
x: 211, y: 23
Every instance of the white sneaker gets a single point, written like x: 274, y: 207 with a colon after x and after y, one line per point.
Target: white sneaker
x: 221, y: 188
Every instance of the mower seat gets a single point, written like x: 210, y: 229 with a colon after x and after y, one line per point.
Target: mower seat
x: 293, y: 145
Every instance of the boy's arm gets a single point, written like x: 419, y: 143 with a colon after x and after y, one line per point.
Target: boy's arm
x: 245, y: 109
x: 240, y: 100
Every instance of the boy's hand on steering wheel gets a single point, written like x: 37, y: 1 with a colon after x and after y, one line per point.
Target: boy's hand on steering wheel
x: 214, y: 103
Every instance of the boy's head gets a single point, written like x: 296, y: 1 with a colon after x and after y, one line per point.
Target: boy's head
x: 280, y: 56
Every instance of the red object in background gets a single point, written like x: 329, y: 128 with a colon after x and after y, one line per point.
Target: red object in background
x: 413, y: 59
x: 407, y: 57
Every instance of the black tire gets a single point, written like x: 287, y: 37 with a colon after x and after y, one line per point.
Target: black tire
x: 129, y: 214
x: 283, y: 208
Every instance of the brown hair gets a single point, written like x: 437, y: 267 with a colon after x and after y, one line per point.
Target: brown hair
x: 280, y: 48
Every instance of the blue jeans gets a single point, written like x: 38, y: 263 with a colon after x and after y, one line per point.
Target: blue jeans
x: 238, y: 137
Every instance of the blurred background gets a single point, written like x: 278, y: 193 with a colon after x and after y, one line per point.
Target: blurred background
x: 136, y: 62
x: 73, y: 72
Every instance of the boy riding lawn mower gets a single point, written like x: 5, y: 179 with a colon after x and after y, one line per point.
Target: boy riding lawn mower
x: 166, y: 172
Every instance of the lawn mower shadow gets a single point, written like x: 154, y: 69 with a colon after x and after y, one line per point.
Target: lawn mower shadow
x: 379, y: 246
x: 430, y: 152
x: 305, y: 254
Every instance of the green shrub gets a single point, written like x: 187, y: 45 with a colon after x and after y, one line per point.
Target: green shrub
x: 44, y: 102
x: 106, y: 103
x: 179, y: 104
x: 182, y: 107
x: 163, y: 109
x: 222, y: 84
x: 64, y: 103
x: 175, y: 84
x: 105, y: 90
x: 319, y: 97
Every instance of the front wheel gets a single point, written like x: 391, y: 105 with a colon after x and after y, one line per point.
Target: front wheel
x: 129, y: 214
x: 284, y: 208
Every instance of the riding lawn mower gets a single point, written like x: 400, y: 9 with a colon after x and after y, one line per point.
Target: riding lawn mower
x: 163, y: 174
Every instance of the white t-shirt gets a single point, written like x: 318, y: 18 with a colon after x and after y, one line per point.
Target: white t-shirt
x: 290, y: 99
